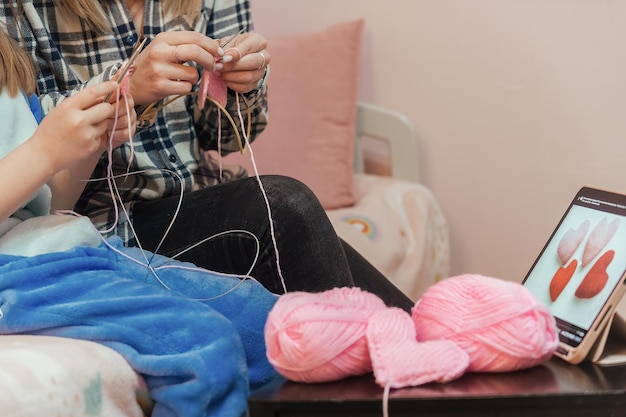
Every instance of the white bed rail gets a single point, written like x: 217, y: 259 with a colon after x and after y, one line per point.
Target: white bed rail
x: 399, y: 133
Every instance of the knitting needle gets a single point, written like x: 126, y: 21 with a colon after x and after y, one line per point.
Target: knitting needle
x: 232, y: 38
x: 122, y: 72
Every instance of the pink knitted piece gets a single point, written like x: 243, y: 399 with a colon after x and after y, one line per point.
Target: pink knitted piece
x: 212, y: 85
x: 125, y: 81
x: 500, y: 324
x: 321, y: 337
x: 399, y: 360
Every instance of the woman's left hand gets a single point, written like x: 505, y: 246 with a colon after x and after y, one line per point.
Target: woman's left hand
x: 244, y: 62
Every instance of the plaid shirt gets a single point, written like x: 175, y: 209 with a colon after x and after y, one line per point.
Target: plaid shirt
x: 69, y: 57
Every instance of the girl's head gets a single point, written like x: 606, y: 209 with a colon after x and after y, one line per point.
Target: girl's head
x: 17, y: 73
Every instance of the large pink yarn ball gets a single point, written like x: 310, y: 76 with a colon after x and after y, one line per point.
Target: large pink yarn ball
x: 500, y: 324
x: 320, y: 337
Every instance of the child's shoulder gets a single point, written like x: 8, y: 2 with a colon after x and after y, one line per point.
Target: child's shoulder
x: 17, y: 120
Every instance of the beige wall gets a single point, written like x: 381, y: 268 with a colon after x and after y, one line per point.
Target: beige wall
x: 517, y: 104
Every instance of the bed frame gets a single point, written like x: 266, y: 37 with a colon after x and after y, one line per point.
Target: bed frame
x: 393, y: 128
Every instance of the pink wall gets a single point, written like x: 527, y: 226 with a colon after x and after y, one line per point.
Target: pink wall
x: 517, y: 104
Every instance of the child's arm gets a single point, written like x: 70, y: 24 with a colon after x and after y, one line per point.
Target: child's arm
x: 70, y: 134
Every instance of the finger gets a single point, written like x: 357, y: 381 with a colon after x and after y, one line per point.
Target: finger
x: 255, y: 61
x: 123, y: 108
x: 101, y: 126
x: 99, y: 113
x: 187, y: 46
x: 184, y: 53
x: 242, y: 81
x: 190, y: 38
x: 120, y: 136
x: 94, y: 94
x: 265, y: 60
x: 123, y: 102
x: 177, y: 86
x: 244, y: 45
x: 180, y: 73
x: 121, y: 122
x: 99, y: 129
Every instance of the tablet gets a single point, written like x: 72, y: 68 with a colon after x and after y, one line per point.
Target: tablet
x: 580, y: 272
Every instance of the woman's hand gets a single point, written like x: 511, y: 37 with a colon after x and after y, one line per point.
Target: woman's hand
x: 76, y: 129
x: 244, y: 62
x: 160, y: 68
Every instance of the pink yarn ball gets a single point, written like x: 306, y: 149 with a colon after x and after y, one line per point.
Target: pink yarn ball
x: 500, y: 324
x: 320, y: 337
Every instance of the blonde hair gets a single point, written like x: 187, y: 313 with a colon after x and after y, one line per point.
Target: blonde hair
x: 17, y: 72
x: 92, y: 13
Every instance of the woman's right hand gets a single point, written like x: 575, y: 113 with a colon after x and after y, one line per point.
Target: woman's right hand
x: 76, y: 129
x: 160, y: 71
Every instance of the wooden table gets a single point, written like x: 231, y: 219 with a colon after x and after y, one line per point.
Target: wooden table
x: 553, y: 389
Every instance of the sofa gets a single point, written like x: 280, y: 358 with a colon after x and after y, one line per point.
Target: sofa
x: 376, y: 203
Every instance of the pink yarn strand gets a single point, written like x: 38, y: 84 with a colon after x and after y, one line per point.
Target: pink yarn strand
x: 262, y: 188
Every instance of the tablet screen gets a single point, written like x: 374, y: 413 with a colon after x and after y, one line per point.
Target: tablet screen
x: 582, y: 263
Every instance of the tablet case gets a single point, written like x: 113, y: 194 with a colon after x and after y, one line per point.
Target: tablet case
x: 610, y: 348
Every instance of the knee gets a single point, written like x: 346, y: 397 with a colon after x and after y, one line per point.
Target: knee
x: 291, y: 195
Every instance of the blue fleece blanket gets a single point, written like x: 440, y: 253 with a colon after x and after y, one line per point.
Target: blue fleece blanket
x: 199, y: 358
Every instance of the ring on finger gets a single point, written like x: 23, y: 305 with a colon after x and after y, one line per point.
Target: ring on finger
x: 176, y: 55
x: 262, y: 62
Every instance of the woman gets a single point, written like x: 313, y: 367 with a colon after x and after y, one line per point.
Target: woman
x: 222, y: 222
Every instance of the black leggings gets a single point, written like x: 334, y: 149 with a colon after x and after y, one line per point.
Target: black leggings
x: 311, y: 256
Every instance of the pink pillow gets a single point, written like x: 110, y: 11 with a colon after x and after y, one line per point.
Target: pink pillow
x: 313, y: 87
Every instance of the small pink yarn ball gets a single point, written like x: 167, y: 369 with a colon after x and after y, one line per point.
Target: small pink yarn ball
x: 500, y: 324
x: 320, y: 337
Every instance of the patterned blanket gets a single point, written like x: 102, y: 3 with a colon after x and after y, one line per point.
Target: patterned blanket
x: 46, y: 375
